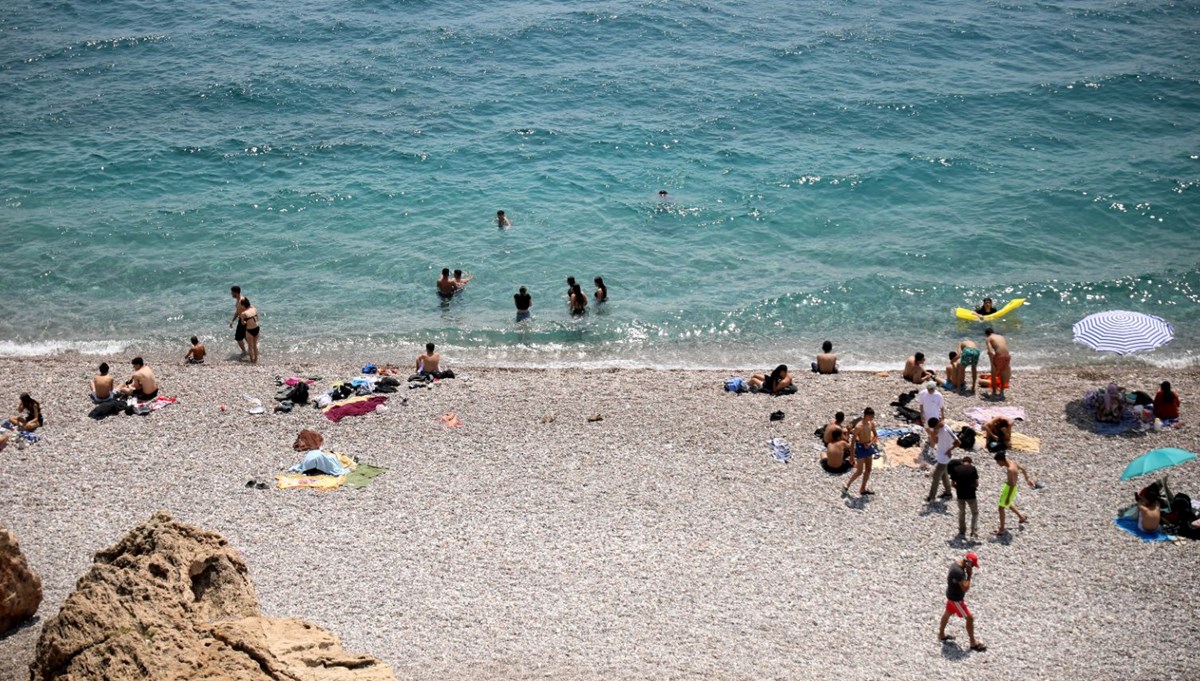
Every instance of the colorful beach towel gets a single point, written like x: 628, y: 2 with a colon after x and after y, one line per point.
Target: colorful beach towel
x: 322, y: 482
x: 1130, y: 525
x: 355, y: 406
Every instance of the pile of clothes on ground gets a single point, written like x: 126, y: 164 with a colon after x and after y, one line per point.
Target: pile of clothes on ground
x: 129, y: 406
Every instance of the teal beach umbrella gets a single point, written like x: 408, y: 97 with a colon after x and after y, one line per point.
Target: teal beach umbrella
x: 1154, y: 460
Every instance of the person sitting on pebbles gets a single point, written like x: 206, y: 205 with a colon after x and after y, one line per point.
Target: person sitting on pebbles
x: 915, y: 371
x: 836, y: 457
x: 142, y: 386
x: 778, y: 382
x: 102, y: 385
x: 28, y: 417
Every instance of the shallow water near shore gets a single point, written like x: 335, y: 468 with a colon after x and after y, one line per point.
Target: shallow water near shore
x: 851, y: 172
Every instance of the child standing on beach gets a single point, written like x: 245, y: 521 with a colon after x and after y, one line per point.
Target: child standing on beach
x: 863, y: 440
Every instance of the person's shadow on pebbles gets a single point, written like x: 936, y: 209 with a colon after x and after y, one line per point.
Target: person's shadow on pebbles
x: 938, y: 507
x: 859, y: 502
x: 953, y: 652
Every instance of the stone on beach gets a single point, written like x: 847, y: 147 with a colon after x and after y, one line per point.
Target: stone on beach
x: 20, y: 586
x: 174, y: 601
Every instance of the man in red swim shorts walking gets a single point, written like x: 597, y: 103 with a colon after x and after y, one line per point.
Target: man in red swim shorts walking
x: 958, y: 582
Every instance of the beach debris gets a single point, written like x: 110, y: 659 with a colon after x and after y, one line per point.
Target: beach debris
x: 450, y: 420
x: 595, y: 417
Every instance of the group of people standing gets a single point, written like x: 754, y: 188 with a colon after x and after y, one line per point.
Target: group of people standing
x: 967, y: 356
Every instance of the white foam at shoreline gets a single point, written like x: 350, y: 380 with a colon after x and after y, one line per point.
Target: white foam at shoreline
x: 51, y: 348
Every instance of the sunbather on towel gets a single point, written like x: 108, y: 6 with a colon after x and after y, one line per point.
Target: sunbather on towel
x: 777, y: 382
x: 1149, y: 515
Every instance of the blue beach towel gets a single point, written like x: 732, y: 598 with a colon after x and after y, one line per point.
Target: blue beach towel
x: 780, y: 450
x: 736, y: 385
x: 1110, y: 429
x: 890, y: 432
x: 1130, y: 525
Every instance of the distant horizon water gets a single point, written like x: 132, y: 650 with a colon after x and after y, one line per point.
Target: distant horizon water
x: 849, y: 172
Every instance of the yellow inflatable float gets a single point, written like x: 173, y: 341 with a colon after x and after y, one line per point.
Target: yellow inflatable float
x: 970, y: 316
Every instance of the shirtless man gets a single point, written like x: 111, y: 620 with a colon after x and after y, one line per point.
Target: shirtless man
x: 445, y: 285
x: 195, y: 354
x: 1149, y: 515
x: 1008, y: 491
x: 956, y: 375
x: 914, y: 369
x: 142, y: 386
x: 836, y: 457
x: 429, y: 363
x: 459, y: 282
x: 1000, y: 360
x: 826, y: 361
x: 239, y: 335
x: 835, y: 426
x: 502, y: 220
x: 102, y: 385
x: 570, y: 289
x: 968, y: 356
x: 863, y: 441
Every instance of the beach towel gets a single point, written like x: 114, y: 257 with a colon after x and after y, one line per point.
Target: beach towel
x: 895, y: 455
x: 1108, y: 429
x: 354, y: 407
x: 1024, y: 443
x: 985, y: 414
x: 322, y: 482
x: 1130, y: 525
x: 780, y: 450
x: 363, y: 475
x: 891, y: 431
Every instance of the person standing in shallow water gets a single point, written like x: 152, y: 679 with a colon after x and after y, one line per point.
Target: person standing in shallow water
x: 601, y: 290
x: 524, y: 302
x: 239, y: 334
x: 578, y: 302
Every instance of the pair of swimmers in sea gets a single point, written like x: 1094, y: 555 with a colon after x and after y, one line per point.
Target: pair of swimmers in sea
x: 577, y: 300
x: 447, y: 286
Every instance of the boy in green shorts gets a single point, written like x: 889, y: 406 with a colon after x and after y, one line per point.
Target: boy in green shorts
x: 1008, y: 491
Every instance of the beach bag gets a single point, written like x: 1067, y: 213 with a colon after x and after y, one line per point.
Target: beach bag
x: 909, y: 440
x: 966, y: 437
x: 908, y: 414
x: 736, y: 385
x: 905, y: 398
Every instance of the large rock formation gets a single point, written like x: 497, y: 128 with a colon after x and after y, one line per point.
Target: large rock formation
x: 172, y: 601
x: 20, y: 587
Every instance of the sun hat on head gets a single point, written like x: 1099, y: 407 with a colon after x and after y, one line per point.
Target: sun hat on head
x: 973, y: 559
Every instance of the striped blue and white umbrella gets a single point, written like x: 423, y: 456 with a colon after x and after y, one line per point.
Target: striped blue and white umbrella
x: 1123, y: 332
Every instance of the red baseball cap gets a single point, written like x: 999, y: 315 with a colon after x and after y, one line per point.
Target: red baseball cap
x: 973, y: 559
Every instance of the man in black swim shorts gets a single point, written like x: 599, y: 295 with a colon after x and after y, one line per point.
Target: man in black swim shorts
x: 239, y: 334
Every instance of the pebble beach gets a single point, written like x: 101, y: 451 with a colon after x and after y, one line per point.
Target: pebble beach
x: 661, y: 541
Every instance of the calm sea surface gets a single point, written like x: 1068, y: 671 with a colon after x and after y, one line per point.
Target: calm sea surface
x: 841, y: 170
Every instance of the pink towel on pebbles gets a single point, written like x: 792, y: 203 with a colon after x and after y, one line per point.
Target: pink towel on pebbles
x: 985, y: 414
x: 367, y: 406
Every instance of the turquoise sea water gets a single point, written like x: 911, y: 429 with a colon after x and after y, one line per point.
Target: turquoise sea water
x: 841, y: 170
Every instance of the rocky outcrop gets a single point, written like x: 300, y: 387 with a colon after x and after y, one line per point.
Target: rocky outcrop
x: 20, y: 587
x: 173, y: 601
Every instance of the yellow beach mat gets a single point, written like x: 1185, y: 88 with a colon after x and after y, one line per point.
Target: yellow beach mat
x: 1023, y: 443
x: 294, y: 480
x: 895, y: 455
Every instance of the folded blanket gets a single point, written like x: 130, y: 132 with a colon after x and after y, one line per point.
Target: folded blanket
x: 1130, y: 525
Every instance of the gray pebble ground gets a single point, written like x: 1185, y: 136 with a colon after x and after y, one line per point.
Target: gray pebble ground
x: 660, y: 542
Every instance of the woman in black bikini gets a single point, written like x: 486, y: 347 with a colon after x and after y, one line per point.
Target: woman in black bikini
x: 29, y: 415
x: 250, y: 317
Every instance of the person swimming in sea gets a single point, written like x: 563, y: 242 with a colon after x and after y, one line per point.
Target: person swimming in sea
x: 502, y: 220
x: 445, y: 285
x: 986, y: 309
